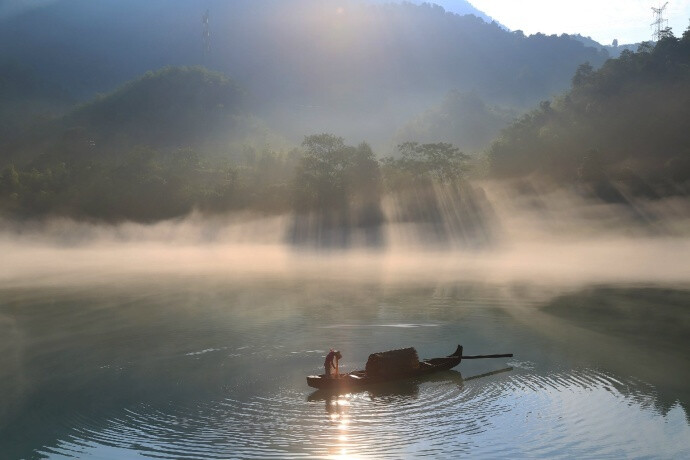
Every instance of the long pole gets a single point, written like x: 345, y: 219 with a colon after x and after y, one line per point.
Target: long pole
x: 509, y: 355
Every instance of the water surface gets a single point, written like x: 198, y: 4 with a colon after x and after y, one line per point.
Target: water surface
x: 214, y: 367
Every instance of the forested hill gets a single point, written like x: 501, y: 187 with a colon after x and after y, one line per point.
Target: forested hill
x: 157, y: 147
x: 287, y: 49
x: 169, y: 108
x: 314, y: 64
x: 628, y: 121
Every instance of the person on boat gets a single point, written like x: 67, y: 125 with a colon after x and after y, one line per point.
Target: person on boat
x: 331, y: 362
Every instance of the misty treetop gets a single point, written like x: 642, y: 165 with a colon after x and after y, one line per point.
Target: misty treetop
x: 421, y: 164
x: 629, y: 120
x: 339, y: 191
x: 333, y: 175
x: 335, y: 183
x: 462, y: 119
x: 336, y: 190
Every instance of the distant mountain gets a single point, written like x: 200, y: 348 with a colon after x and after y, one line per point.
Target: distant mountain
x: 460, y: 7
x: 342, y: 66
x: 614, y: 50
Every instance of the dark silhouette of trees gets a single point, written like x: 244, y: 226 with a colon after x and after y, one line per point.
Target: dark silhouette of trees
x: 336, y: 193
x: 144, y: 184
x: 626, y: 122
x: 332, y: 175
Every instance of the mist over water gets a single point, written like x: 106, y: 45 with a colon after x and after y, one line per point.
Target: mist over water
x: 485, y: 233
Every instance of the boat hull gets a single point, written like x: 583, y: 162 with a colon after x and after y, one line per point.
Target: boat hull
x: 360, y: 379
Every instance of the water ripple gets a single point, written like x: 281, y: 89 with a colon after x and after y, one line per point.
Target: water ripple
x: 549, y: 415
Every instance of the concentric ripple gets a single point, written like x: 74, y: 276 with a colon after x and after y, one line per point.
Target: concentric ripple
x: 584, y: 413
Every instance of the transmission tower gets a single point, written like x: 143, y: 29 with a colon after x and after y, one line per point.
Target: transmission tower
x: 206, y: 34
x: 660, y: 24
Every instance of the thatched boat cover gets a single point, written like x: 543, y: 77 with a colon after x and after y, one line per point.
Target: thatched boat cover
x: 392, y: 362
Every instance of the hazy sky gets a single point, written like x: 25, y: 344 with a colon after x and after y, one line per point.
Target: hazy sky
x: 627, y: 20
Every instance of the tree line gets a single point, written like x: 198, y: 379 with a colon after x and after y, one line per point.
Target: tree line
x: 148, y: 184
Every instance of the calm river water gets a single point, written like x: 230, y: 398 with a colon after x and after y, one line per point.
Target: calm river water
x: 185, y: 367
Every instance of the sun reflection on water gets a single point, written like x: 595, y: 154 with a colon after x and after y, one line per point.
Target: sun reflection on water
x: 338, y: 410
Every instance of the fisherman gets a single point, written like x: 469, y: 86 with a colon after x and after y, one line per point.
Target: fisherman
x: 329, y: 364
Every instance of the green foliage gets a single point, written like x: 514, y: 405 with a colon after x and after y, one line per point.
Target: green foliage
x: 423, y: 163
x: 9, y: 180
x: 631, y: 117
x: 145, y: 185
x: 331, y: 185
x: 583, y: 74
x: 332, y: 175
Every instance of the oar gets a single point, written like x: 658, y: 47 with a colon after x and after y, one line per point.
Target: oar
x: 508, y: 355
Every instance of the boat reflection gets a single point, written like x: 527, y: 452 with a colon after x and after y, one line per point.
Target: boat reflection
x: 395, y: 390
x: 488, y: 374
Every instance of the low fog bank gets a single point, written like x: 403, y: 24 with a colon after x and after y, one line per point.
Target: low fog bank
x: 526, y: 233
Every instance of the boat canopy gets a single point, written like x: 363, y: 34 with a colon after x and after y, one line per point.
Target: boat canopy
x: 392, y: 362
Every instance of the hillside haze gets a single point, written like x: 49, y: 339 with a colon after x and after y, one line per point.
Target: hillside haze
x: 359, y: 68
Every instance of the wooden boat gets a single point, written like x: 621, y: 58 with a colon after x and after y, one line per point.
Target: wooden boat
x: 362, y: 378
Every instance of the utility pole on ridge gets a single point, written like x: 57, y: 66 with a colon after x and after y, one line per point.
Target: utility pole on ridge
x: 660, y: 24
